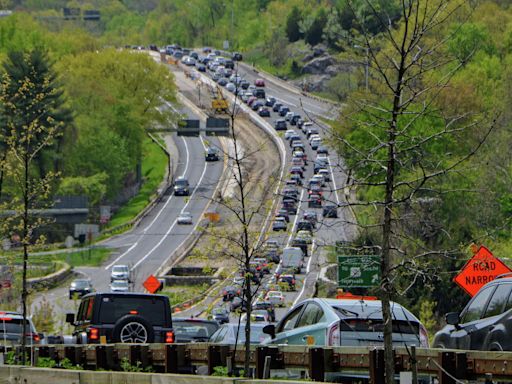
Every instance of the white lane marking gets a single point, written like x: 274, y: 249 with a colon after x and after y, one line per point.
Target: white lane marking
x: 174, y: 223
x: 286, y: 102
x: 296, y: 219
x: 121, y: 256
x: 203, y: 142
x: 333, y: 181
x: 306, y: 277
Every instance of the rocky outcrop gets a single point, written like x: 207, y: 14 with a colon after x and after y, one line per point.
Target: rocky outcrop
x: 318, y: 65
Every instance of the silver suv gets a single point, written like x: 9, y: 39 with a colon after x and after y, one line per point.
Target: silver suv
x: 120, y: 272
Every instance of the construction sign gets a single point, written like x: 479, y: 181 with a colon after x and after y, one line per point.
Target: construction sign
x: 152, y: 284
x: 482, y: 268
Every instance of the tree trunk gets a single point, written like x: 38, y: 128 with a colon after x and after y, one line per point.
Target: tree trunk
x: 24, y: 291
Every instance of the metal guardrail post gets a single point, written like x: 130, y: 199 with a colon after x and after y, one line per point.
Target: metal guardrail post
x: 105, y: 358
x: 217, y: 357
x: 74, y: 354
x: 377, y: 366
x: 177, y: 358
x: 317, y: 364
x: 447, y: 368
x: 276, y: 361
x: 461, y: 362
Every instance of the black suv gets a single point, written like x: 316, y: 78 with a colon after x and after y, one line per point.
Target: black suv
x: 123, y: 318
x: 212, y: 154
x: 181, y: 187
x: 485, y: 322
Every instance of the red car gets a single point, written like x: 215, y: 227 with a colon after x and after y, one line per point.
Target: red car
x: 259, y: 82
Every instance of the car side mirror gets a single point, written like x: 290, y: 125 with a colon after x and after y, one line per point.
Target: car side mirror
x: 270, y: 330
x: 70, y: 318
x: 452, y: 318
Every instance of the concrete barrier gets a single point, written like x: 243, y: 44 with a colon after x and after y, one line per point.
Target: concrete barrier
x: 27, y: 375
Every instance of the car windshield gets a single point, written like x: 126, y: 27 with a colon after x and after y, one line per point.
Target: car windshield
x: 193, y: 329
x: 181, y: 183
x: 80, y: 284
x: 219, y: 311
x: 120, y: 268
x: 13, y: 325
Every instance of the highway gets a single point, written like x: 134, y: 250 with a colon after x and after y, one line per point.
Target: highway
x: 151, y: 243
x: 328, y: 230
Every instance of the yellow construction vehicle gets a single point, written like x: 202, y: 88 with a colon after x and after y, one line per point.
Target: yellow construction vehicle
x: 219, y: 102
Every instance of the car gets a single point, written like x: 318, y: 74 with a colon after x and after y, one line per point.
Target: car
x: 276, y: 107
x: 289, y: 133
x: 315, y: 143
x: 297, y: 178
x: 314, y: 201
x: 297, y: 146
x: 262, y: 304
x: 237, y: 304
x: 231, y: 87
x: 312, y: 131
x: 284, y: 214
x: 264, y: 112
x: 294, y: 170
x: 201, y: 67
x: 305, y: 126
x: 245, y: 84
x: 120, y: 272
x: 11, y: 330
x: 276, y: 298
x: 216, y: 77
x: 287, y: 280
x: 290, y: 191
x: 80, y: 287
x: 484, y: 323
x: 246, y: 96
x: 294, y: 137
x: 251, y: 100
x: 280, y: 125
x: 322, y: 149
x: 322, y: 157
x: 259, y: 82
x: 194, y: 55
x: 291, y: 182
x: 251, y: 88
x: 325, y: 174
x: 234, y: 333
x: 270, y: 101
x: 193, y: 330
x: 230, y: 292
x: 317, y: 179
x: 229, y: 64
x: 119, y: 286
x: 184, y: 218
x: 330, y: 211
x: 279, y: 224
x: 181, y: 187
x: 260, y: 315
x: 220, y: 315
x: 283, y: 110
x: 189, y: 61
x: 345, y: 322
x: 304, y: 236
x: 311, y: 217
x: 259, y: 93
x: 295, y: 119
x: 288, y: 116
x: 256, y: 105
x: 301, y: 154
x: 223, y: 81
x: 212, y: 154
x: 290, y: 206
x: 313, y: 137
x: 298, y: 162
x: 236, y: 56
x: 122, y: 318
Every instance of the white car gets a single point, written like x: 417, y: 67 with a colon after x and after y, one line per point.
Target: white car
x: 314, y: 137
x: 275, y: 298
x: 289, y: 133
x: 119, y: 286
x: 306, y: 126
x: 231, y: 87
x: 289, y: 116
x: 325, y: 173
x: 185, y: 218
x: 322, y: 157
x: 120, y: 272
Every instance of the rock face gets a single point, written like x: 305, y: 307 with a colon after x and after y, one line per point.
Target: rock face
x: 318, y: 65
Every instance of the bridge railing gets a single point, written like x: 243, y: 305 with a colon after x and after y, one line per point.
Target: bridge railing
x: 449, y: 366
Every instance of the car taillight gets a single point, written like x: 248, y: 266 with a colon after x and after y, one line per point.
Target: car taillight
x: 169, y: 337
x: 94, y: 334
x: 423, y: 337
x: 34, y: 337
x: 333, y: 335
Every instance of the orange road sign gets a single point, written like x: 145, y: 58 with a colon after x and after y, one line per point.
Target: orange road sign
x: 152, y: 284
x: 479, y: 270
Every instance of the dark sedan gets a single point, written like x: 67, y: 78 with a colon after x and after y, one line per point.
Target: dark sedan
x: 264, y: 112
x: 79, y: 288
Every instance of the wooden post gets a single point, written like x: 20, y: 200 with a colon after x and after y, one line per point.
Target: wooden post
x: 316, y: 364
x: 448, y: 368
x: 377, y: 366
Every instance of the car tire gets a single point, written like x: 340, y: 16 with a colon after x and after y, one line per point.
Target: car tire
x: 133, y: 329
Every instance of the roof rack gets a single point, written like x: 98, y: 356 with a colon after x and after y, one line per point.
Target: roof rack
x: 503, y: 275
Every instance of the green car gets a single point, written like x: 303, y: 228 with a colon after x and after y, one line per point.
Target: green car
x: 345, y: 322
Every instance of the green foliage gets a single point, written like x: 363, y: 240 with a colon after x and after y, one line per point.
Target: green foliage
x: 44, y: 317
x: 467, y: 39
x: 427, y: 316
x: 126, y: 366
x: 94, y: 187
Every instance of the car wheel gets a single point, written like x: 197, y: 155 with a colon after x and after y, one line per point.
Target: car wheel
x: 133, y: 329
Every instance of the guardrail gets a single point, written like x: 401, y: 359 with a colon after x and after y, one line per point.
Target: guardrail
x: 449, y: 366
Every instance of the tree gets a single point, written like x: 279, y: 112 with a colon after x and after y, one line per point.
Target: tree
x: 292, y: 25
x: 30, y: 101
x: 314, y: 33
x: 402, y: 146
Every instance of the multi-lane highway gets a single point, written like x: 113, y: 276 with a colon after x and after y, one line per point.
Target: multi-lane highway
x: 328, y: 229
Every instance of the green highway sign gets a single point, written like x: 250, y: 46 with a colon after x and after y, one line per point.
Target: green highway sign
x: 358, y: 271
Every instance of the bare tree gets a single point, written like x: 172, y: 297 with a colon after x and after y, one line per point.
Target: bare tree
x: 389, y: 134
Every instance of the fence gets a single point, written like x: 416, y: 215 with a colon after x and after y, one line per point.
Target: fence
x: 449, y: 366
